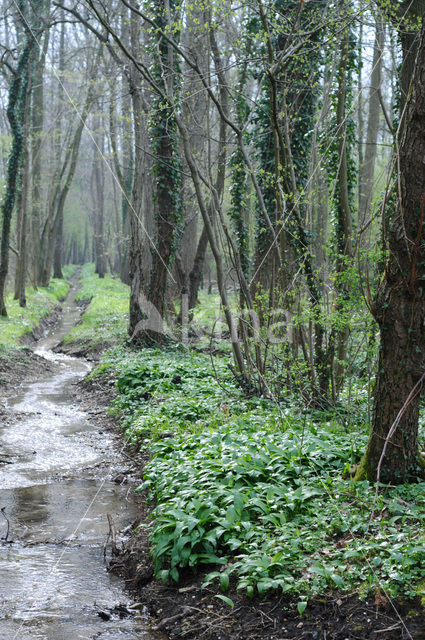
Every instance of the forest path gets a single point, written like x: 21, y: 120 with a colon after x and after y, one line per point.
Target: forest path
x: 55, y: 491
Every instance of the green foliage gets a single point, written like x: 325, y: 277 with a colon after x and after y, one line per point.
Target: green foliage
x: 273, y: 508
x: 68, y: 271
x: 106, y: 318
x: 174, y: 390
x: 22, y: 321
x: 233, y: 494
x: 263, y: 495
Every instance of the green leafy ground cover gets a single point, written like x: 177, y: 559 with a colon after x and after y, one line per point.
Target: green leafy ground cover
x: 104, y: 322
x: 22, y: 321
x: 262, y: 494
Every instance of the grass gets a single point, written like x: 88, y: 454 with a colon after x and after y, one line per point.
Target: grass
x: 22, y: 321
x: 208, y: 313
x: 260, y: 494
x: 106, y: 318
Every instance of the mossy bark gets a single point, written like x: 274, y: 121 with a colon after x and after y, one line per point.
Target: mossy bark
x: 399, y: 307
x: 15, y: 114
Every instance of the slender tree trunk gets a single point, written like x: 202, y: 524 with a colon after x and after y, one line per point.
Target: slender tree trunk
x: 195, y: 276
x: 98, y: 197
x: 58, y: 252
x: 15, y: 114
x: 37, y: 115
x: 22, y: 206
x: 367, y: 169
x: 340, y: 335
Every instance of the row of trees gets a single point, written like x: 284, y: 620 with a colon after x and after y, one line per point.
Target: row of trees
x: 276, y: 140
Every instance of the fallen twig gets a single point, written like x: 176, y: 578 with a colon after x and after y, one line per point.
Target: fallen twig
x: 392, y: 628
x: 112, y: 535
x: 3, y: 510
x: 186, y: 611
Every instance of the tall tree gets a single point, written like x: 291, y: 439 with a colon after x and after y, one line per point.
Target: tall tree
x: 399, y: 307
x: 16, y: 116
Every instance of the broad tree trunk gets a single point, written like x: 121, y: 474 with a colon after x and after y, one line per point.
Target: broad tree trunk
x: 409, y: 12
x: 399, y: 307
x: 140, y: 213
x: 167, y: 164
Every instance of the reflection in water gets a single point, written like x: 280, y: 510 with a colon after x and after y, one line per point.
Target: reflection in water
x: 31, y: 505
x: 56, y: 494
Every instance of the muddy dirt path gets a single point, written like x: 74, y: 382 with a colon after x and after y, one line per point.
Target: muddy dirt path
x: 56, y: 490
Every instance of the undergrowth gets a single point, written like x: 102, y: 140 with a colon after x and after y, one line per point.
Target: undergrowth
x: 21, y: 321
x: 261, y: 493
x: 104, y: 322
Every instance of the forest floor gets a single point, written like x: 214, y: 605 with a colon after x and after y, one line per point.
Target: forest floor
x: 185, y: 610
x: 188, y: 609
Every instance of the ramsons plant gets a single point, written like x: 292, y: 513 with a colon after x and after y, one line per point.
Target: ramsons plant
x: 261, y: 494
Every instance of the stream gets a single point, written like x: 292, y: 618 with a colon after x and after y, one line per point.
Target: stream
x: 55, y: 493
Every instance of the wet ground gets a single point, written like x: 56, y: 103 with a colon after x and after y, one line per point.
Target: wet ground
x: 56, y: 490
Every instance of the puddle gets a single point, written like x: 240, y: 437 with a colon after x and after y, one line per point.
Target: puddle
x: 55, y: 493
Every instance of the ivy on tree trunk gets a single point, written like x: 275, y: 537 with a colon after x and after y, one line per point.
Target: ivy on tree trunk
x: 399, y: 306
x: 16, y: 115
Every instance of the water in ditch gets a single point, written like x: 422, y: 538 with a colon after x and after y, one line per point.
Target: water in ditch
x: 56, y: 490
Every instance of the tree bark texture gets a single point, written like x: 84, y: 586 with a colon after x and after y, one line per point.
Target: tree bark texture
x: 399, y: 306
x: 15, y: 114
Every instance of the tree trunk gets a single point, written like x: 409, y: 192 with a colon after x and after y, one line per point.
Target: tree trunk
x: 140, y: 212
x: 167, y: 162
x: 367, y: 168
x: 399, y: 307
x: 98, y: 197
x: 15, y: 114
x: 37, y: 115
x: 195, y: 276
x: 341, y: 334
x: 58, y: 252
x: 22, y: 206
